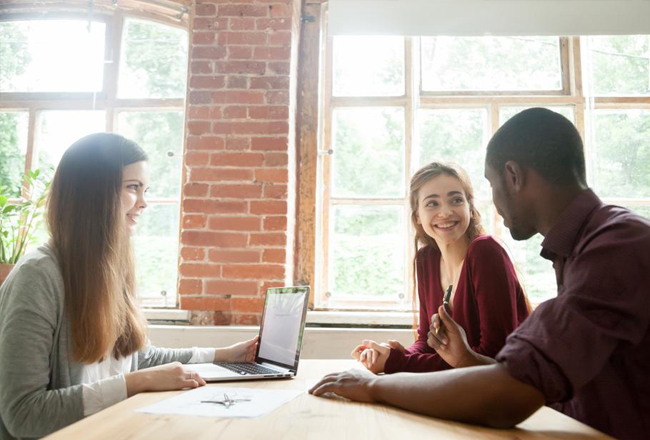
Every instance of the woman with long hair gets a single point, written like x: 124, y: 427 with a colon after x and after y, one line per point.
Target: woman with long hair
x: 72, y: 339
x: 456, y: 264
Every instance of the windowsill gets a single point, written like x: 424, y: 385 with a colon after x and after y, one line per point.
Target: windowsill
x: 314, y: 317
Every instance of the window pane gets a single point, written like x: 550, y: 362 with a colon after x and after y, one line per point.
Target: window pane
x: 161, y: 136
x: 368, y: 66
x: 506, y: 113
x: 622, y: 153
x: 367, y: 252
x: 621, y: 64
x: 156, y: 250
x: 535, y: 273
x: 641, y: 210
x: 368, y: 158
x: 51, y: 56
x: 56, y: 130
x: 491, y: 63
x: 13, y: 146
x: 153, y: 62
x: 455, y: 135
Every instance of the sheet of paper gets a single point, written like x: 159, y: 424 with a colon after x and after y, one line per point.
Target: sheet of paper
x: 245, y: 402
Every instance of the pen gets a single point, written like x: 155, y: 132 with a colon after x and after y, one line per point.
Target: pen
x: 445, y: 301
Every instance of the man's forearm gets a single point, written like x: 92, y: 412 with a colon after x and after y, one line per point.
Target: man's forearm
x: 485, y: 395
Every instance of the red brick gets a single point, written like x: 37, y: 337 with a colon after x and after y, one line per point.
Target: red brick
x: 280, y: 67
x: 273, y: 24
x: 205, y: 143
x: 215, y: 113
x: 251, y: 127
x: 242, y: 24
x: 272, y: 53
x: 209, y: 52
x: 238, y: 97
x: 190, y: 287
x: 224, y: 287
x: 221, y: 174
x: 269, y: 284
x: 245, y: 319
x: 192, y: 254
x: 194, y: 221
x: 272, y: 175
x: 199, y: 112
x: 205, y: 10
x: 235, y: 223
x: 237, y: 159
x: 200, y: 270
x: 268, y: 239
x: 205, y: 303
x: 243, y: 10
x: 276, y: 159
x: 270, y: 83
x: 250, y: 191
x: 269, y: 112
x: 241, y: 67
x: 277, y: 97
x: 193, y: 189
x: 197, y: 158
x: 207, y: 82
x: 219, y: 256
x: 250, y: 304
x: 234, y: 112
x: 274, y: 256
x: 241, y: 38
x: 268, y: 207
x: 275, y: 223
x: 269, y: 143
x: 279, y: 10
x: 221, y: 239
x: 203, y: 23
x: 240, y: 52
x: 238, y: 144
x: 200, y: 97
x: 280, y: 38
x: 206, y: 38
x: 253, y: 271
x: 209, y: 206
x: 275, y: 192
x: 198, y: 127
x: 201, y: 67
x: 237, y: 82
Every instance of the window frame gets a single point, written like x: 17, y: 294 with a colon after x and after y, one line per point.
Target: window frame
x: 33, y: 103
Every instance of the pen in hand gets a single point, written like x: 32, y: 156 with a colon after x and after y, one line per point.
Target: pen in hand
x: 445, y: 302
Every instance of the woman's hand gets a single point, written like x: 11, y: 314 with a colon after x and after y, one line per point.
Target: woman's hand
x: 239, y: 352
x: 168, y: 377
x: 372, y: 355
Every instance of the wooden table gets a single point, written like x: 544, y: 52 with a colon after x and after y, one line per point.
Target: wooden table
x: 309, y: 418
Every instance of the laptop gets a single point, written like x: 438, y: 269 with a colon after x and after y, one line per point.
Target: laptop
x: 278, y: 350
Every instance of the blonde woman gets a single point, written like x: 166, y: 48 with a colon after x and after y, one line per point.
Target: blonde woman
x: 72, y: 340
x: 455, y: 261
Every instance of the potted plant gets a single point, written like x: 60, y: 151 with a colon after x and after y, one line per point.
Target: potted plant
x: 18, y: 220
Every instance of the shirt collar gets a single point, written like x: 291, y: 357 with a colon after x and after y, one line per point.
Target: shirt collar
x: 561, y: 238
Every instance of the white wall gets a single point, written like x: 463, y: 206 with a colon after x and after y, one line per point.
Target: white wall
x: 320, y: 343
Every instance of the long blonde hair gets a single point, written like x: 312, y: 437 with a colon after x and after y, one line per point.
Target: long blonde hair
x: 93, y: 247
x: 421, y: 239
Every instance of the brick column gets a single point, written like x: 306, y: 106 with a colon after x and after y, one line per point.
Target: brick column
x: 236, y: 193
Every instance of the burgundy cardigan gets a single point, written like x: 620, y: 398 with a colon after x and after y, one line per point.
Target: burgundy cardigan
x: 489, y: 304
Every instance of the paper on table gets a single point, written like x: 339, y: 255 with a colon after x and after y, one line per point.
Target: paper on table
x: 193, y: 402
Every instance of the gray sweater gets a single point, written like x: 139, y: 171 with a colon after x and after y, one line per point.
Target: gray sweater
x: 40, y: 384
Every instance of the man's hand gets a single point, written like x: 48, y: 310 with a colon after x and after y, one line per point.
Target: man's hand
x: 449, y: 340
x: 372, y: 355
x: 352, y: 384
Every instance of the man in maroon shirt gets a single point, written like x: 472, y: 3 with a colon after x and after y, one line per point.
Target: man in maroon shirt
x: 586, y: 351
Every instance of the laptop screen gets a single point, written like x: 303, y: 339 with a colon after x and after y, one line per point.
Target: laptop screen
x: 283, y: 323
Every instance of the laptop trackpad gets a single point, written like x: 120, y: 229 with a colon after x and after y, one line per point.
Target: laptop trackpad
x: 210, y: 371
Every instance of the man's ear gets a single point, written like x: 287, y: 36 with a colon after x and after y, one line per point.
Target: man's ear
x: 515, y: 176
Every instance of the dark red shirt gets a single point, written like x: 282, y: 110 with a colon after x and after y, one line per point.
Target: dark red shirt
x: 589, y: 348
x: 489, y: 304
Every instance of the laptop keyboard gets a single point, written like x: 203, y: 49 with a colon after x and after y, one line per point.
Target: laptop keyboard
x: 245, y: 368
